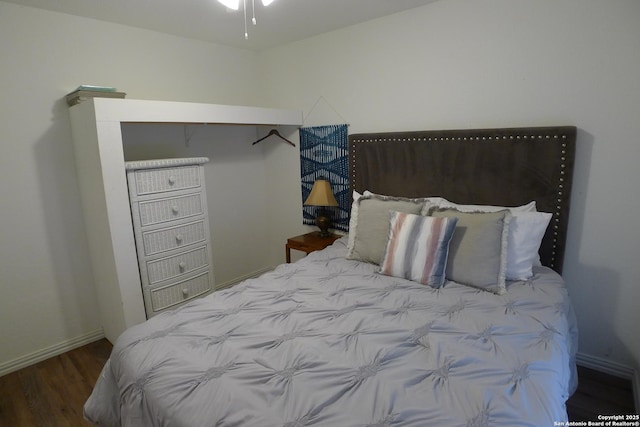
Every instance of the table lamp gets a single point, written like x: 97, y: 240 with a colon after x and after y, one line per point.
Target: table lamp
x: 322, y: 196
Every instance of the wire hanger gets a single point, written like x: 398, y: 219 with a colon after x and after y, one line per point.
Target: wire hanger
x: 276, y: 133
x: 322, y: 98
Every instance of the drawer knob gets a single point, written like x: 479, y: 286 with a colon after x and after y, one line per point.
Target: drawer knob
x: 175, y: 209
x: 179, y: 238
x: 182, y: 265
x: 185, y: 292
x: 172, y: 180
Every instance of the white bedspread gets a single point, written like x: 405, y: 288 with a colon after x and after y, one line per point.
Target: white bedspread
x: 328, y: 342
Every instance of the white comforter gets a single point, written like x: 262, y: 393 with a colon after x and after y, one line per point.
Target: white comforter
x: 328, y: 342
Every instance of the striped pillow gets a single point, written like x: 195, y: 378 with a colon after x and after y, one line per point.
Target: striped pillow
x: 417, y: 248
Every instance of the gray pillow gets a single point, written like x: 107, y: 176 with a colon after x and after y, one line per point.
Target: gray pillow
x: 372, y: 224
x: 478, y: 249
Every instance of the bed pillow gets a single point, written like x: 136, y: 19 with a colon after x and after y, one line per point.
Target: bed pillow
x: 526, y: 231
x: 417, y: 248
x: 445, y: 204
x: 371, y: 224
x: 353, y: 219
x: 433, y: 201
x: 525, y: 235
x: 478, y: 249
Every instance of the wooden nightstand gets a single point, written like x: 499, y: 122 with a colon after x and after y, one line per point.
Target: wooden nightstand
x: 309, y: 242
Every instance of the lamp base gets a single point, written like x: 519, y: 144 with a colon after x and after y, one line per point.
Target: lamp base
x: 323, y: 222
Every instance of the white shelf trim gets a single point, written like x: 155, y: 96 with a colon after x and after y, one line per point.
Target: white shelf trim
x: 143, y: 111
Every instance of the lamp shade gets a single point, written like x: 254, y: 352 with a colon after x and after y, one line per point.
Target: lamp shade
x: 321, y: 194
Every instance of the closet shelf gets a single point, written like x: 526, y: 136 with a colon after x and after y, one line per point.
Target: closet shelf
x: 144, y: 111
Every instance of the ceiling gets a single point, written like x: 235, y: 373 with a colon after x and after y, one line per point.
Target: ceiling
x: 282, y: 22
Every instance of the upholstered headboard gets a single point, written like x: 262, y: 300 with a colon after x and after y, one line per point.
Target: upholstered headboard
x: 506, y: 167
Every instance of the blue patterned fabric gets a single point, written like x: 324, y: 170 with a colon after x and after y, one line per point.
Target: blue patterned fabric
x: 324, y: 154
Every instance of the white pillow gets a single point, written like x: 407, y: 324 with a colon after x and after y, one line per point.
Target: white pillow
x: 526, y: 231
x: 353, y: 221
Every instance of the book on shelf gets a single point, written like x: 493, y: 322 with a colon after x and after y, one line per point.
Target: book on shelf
x: 97, y: 88
x: 80, y: 95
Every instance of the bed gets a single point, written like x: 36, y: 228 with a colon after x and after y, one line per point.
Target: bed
x: 335, y: 340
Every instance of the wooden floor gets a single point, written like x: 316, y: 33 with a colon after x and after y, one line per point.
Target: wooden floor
x: 600, y: 394
x: 52, y: 393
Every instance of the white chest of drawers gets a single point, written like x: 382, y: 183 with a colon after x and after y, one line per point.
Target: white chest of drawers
x: 171, y: 227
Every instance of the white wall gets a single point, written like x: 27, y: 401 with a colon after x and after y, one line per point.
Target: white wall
x: 496, y: 63
x: 450, y: 64
x: 47, y: 297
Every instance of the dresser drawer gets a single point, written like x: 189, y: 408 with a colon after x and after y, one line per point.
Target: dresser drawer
x: 169, y: 209
x: 166, y: 239
x: 167, y: 296
x: 177, y: 265
x: 149, y: 181
x: 171, y: 229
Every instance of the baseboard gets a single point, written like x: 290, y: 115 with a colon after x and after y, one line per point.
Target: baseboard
x: 49, y: 352
x: 605, y: 366
x: 615, y: 369
x: 237, y: 280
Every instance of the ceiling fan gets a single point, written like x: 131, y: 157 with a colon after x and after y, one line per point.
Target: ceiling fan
x: 235, y: 5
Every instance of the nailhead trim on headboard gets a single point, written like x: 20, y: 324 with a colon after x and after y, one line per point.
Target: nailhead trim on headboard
x: 562, y: 164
